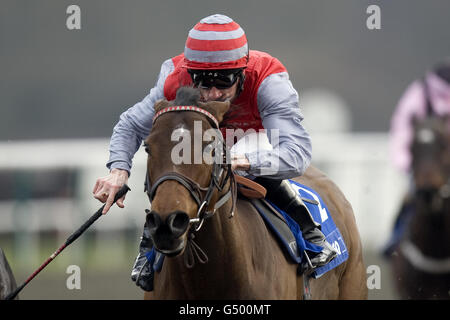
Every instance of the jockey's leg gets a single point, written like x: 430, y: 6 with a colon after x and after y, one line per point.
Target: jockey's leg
x: 142, y: 273
x: 283, y: 195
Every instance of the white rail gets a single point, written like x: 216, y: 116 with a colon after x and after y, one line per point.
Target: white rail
x: 357, y: 163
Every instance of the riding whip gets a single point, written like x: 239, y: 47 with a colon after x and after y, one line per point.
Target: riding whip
x: 69, y: 240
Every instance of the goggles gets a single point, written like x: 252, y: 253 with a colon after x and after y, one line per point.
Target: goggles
x: 220, y: 79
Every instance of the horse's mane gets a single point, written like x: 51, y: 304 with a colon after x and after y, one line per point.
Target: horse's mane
x: 187, y: 96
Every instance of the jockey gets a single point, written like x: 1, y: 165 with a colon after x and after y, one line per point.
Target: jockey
x: 432, y: 92
x: 427, y: 96
x: 217, y: 61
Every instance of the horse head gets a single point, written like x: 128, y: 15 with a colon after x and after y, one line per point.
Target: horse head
x: 184, y: 175
x: 430, y: 151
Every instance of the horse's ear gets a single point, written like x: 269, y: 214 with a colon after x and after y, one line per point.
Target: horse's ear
x: 161, y: 104
x: 217, y: 108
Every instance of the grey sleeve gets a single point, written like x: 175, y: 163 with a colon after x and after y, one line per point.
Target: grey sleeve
x: 135, y: 124
x: 279, y: 108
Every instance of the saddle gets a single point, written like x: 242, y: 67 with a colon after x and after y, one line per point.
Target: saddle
x: 287, y: 231
x: 249, y: 188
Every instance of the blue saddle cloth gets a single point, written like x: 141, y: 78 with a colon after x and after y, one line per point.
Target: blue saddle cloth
x: 320, y: 214
x: 319, y: 211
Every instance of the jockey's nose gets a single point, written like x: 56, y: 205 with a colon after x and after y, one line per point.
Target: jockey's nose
x: 213, y: 94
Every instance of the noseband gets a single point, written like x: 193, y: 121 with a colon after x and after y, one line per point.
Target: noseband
x: 201, y: 195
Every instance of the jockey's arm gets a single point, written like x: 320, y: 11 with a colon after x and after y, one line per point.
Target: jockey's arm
x: 281, y: 117
x: 133, y: 127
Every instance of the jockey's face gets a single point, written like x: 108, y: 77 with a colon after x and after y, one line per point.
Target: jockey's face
x: 214, y: 94
x: 217, y: 85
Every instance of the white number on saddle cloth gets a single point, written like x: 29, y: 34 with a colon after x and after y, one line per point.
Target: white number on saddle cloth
x: 322, y: 210
x: 336, y: 247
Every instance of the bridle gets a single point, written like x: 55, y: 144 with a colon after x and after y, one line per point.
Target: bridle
x: 221, y: 174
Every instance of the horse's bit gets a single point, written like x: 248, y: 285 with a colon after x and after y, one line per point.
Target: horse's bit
x: 201, y: 195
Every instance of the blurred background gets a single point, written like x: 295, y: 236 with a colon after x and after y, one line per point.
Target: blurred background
x: 62, y: 91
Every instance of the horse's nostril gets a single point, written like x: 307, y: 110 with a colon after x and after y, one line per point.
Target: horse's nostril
x: 178, y: 223
x: 153, y: 221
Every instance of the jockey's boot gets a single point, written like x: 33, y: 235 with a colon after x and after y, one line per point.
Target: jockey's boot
x: 142, y: 273
x: 283, y: 195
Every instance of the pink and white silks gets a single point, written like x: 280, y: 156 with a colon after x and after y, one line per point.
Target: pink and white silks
x: 413, y: 104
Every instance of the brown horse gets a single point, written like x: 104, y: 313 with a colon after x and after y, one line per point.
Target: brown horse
x: 244, y: 260
x: 421, y: 260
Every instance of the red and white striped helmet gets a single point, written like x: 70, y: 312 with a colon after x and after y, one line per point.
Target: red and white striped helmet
x: 216, y: 42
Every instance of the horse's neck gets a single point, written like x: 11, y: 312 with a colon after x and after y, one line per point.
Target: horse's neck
x: 220, y: 236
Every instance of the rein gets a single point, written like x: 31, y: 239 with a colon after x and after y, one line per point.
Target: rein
x: 201, y: 195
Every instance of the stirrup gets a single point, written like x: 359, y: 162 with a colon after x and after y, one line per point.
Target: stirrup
x: 305, y: 268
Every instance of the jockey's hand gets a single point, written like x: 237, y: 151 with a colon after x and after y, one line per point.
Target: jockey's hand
x: 106, y: 188
x: 239, y: 162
